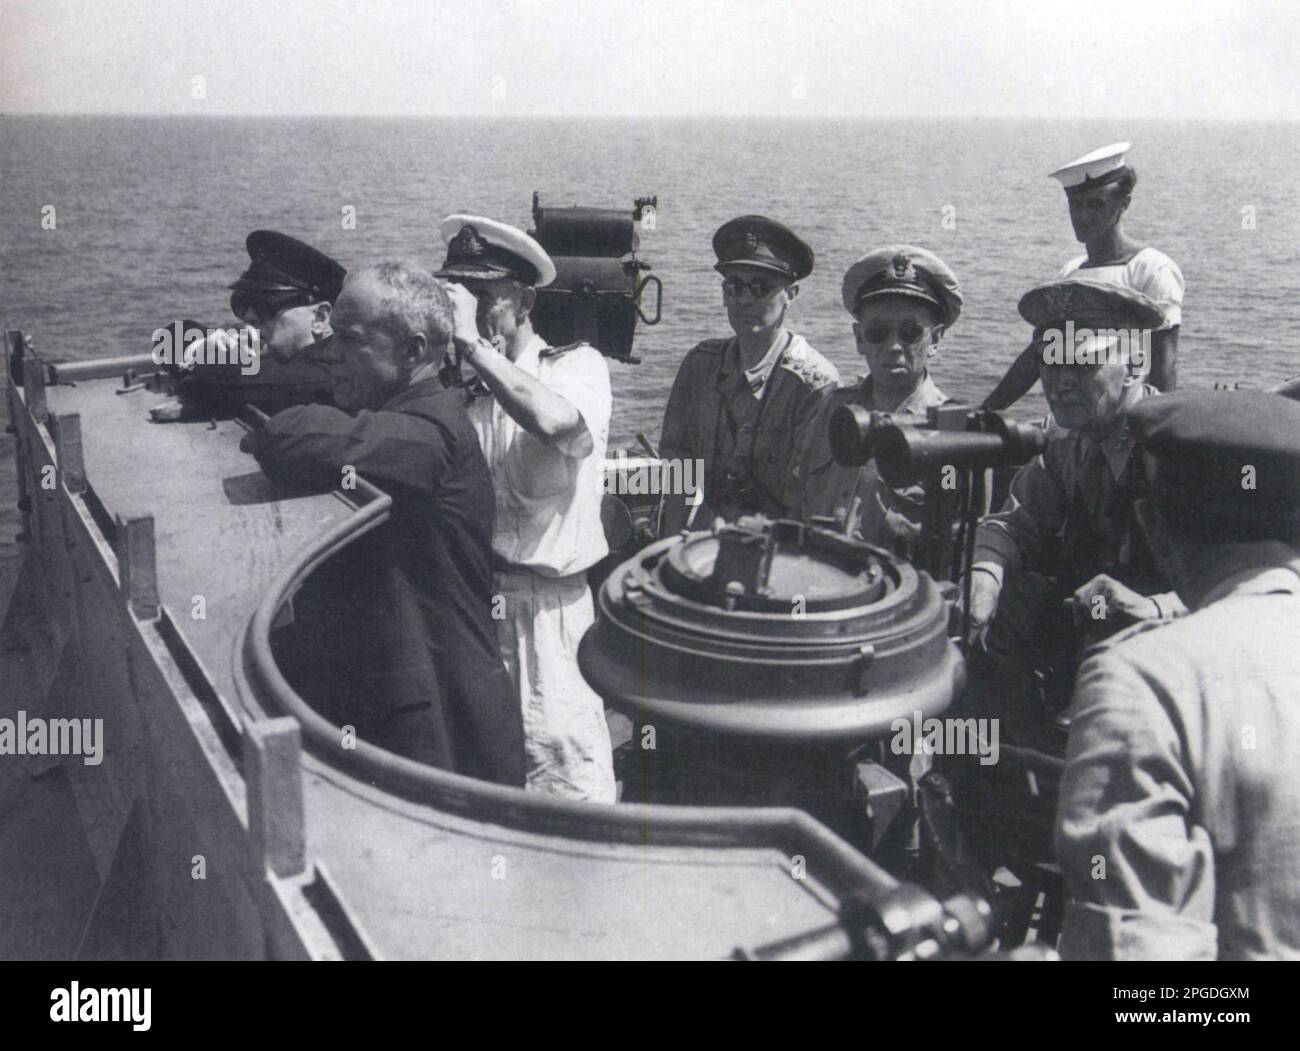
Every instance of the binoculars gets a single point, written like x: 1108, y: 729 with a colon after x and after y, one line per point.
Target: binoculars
x: 952, y: 435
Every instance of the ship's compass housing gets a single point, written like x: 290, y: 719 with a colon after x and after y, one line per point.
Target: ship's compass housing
x: 776, y: 632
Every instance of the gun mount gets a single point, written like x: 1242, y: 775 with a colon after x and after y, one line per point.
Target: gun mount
x: 600, y: 281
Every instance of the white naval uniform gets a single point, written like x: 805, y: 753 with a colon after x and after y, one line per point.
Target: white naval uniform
x: 548, y: 533
x: 1149, y: 271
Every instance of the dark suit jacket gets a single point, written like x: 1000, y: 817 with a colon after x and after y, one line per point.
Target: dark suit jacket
x: 398, y: 626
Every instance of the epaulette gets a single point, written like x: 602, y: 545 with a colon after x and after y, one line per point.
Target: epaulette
x: 816, y: 440
x: 810, y: 366
x: 710, y: 347
x: 843, y: 396
x: 555, y: 352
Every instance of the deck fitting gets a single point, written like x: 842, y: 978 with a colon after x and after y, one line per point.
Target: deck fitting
x: 138, y: 565
x: 273, y: 774
x: 67, y: 442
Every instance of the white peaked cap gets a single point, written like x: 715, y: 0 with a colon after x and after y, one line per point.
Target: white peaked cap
x: 482, y: 248
x: 1093, y: 169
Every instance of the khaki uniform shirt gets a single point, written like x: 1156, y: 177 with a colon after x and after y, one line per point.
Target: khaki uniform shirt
x: 1181, y: 786
x: 856, y: 498
x: 1069, y: 515
x: 753, y: 445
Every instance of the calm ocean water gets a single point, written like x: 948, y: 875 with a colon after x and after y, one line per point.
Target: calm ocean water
x: 151, y: 216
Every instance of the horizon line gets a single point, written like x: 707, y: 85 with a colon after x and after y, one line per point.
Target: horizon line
x: 653, y: 116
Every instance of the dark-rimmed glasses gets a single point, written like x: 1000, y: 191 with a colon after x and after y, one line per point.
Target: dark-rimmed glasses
x: 758, y: 288
x: 908, y: 331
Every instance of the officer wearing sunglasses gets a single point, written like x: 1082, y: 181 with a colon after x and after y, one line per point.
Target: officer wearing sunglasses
x: 745, y: 405
x: 285, y: 297
x: 903, y: 299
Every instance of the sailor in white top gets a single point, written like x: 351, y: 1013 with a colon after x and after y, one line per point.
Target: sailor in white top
x: 1148, y: 271
x: 543, y: 423
x: 1099, y: 187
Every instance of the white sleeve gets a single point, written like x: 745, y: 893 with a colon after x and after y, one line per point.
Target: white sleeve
x: 1163, y: 281
x: 581, y: 377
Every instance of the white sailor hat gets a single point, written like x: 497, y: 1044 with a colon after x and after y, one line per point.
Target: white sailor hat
x: 486, y: 250
x: 903, y: 270
x: 1101, y: 166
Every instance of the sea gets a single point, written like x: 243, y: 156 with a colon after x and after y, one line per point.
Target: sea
x: 113, y: 226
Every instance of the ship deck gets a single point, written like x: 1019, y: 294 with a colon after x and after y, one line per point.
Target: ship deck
x: 437, y: 873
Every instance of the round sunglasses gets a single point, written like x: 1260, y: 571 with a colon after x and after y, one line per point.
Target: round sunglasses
x: 908, y: 331
x: 758, y: 288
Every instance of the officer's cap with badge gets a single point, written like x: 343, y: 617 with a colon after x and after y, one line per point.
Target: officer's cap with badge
x: 1227, y: 463
x: 1101, y: 167
x: 1089, y: 304
x: 906, y: 271
x: 282, y: 267
x: 482, y: 249
x: 758, y: 243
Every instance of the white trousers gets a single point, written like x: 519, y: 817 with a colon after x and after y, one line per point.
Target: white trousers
x: 565, y: 734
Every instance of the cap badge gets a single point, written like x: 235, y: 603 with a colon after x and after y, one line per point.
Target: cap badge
x: 751, y: 242
x: 902, y: 268
x: 467, y: 243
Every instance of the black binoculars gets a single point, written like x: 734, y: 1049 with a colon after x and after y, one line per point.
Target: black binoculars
x: 954, y: 435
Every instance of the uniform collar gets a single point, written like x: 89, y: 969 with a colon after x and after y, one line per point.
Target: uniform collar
x: 730, y: 365
x: 731, y: 355
x: 1118, y: 446
x: 926, y: 394
x: 758, y: 376
x: 1278, y: 570
x: 531, y: 354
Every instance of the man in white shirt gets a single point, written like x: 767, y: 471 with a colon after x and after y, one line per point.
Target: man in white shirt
x: 1099, y: 189
x: 542, y: 419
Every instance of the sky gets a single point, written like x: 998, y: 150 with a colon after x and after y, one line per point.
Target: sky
x: 1098, y: 59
